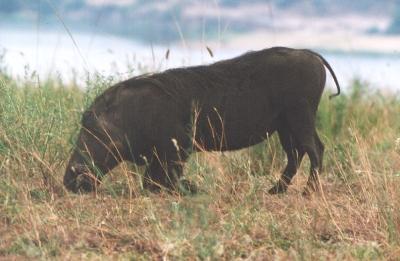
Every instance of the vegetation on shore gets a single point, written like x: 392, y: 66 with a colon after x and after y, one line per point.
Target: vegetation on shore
x: 356, y: 216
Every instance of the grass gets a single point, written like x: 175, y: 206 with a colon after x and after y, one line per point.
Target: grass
x: 356, y: 216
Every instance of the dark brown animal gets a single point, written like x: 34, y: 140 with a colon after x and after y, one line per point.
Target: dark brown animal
x: 159, y: 119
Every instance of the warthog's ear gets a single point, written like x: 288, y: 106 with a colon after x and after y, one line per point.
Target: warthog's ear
x: 87, y: 118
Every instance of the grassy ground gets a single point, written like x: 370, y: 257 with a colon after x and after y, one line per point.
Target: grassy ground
x: 356, y: 216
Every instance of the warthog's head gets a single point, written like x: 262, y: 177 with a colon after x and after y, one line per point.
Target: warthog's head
x: 100, y: 145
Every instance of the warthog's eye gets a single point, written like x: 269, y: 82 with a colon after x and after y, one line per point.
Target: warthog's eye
x: 80, y: 169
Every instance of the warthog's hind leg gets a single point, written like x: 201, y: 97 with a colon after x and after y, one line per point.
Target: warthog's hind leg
x: 301, y: 120
x: 294, y: 157
x: 313, y: 179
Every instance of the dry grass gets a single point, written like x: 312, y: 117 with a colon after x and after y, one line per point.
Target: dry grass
x: 356, y: 216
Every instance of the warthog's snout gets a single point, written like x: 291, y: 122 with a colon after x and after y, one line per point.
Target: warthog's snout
x: 78, y: 178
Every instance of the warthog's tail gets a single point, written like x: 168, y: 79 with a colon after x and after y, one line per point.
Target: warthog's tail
x: 325, y: 62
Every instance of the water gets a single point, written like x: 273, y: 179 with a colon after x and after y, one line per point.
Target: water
x: 55, y: 53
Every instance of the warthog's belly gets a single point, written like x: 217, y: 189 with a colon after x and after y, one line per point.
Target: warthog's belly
x: 236, y: 122
x: 232, y: 136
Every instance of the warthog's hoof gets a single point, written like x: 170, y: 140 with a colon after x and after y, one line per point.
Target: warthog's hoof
x: 309, y: 190
x: 279, y: 188
x: 313, y: 186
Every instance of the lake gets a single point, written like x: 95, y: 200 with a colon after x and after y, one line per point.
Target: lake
x: 56, y: 53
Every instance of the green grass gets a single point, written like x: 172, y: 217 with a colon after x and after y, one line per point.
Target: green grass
x: 355, y: 217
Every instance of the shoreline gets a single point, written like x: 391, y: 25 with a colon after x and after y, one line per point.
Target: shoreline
x: 335, y: 42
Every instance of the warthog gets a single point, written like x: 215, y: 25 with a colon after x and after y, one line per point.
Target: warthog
x: 158, y: 120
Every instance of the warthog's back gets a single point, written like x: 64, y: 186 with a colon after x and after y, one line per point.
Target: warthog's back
x: 238, y: 101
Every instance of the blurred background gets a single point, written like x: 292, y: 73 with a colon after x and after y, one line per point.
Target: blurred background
x: 71, y: 38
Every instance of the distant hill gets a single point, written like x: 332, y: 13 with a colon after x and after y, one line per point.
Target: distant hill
x: 167, y: 21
